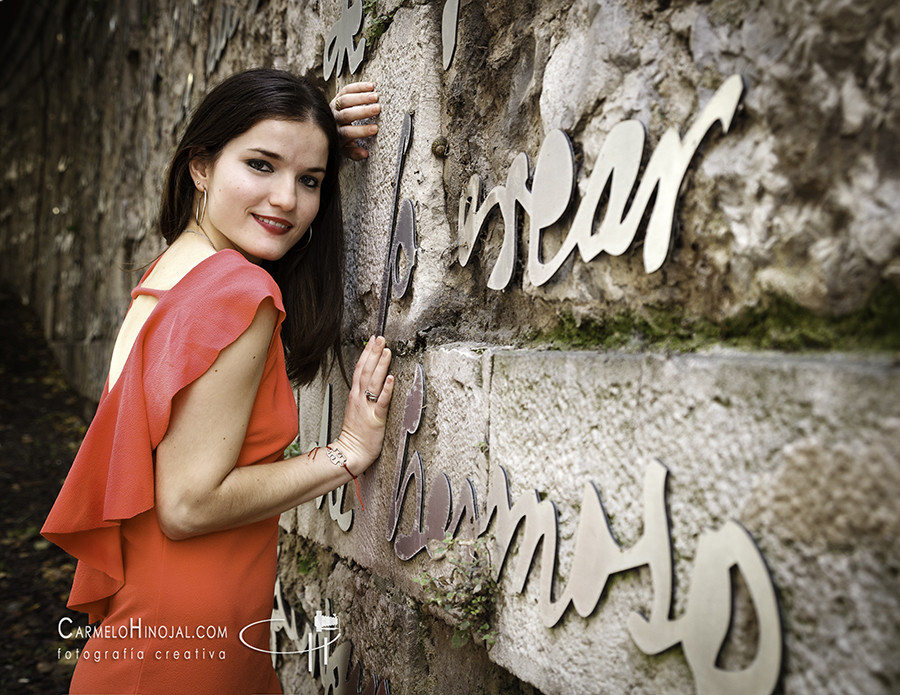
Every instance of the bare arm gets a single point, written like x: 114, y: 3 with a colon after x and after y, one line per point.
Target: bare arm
x: 199, y: 489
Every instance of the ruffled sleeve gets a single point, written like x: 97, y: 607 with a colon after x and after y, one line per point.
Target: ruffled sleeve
x: 112, y: 477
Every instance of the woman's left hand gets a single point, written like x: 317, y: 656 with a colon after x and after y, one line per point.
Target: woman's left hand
x: 355, y: 102
x: 362, y: 434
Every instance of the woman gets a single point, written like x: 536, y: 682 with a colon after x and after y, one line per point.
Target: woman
x: 172, y: 503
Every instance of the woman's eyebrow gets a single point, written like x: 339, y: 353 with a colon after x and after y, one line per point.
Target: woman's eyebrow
x: 266, y: 153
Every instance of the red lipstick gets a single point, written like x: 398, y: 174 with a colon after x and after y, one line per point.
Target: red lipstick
x: 273, y: 225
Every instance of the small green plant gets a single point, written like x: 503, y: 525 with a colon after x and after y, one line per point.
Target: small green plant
x: 469, y: 593
x: 307, y: 564
x: 294, y: 449
x: 377, y: 23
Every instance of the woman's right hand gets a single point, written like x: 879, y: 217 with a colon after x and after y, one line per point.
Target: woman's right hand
x: 362, y: 434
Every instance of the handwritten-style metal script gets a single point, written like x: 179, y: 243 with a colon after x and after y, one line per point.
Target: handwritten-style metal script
x: 335, y: 497
x: 449, y: 29
x: 405, y: 232
x: 331, y: 667
x: 613, y: 182
x: 703, y: 627
x: 339, y: 42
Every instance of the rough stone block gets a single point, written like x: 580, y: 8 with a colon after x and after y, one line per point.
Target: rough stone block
x: 801, y: 452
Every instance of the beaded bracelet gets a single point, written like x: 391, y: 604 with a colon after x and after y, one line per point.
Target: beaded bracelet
x: 336, y: 456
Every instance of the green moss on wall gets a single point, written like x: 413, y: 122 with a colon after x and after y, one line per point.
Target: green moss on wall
x: 776, y: 324
x: 376, y: 22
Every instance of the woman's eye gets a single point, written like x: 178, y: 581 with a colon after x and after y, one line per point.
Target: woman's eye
x: 309, y: 181
x: 259, y: 165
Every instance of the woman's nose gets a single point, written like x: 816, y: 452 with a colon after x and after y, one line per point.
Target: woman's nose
x: 284, y: 193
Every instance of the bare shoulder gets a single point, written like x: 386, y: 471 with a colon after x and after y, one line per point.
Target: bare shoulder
x: 186, y: 252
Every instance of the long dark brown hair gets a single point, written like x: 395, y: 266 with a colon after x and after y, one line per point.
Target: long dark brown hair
x: 310, y: 274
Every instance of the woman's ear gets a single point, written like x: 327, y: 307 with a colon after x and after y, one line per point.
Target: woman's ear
x: 199, y: 169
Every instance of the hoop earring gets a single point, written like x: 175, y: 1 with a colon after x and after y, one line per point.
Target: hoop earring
x: 308, y: 235
x: 200, y: 212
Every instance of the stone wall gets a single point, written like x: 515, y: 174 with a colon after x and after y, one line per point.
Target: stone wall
x: 682, y: 410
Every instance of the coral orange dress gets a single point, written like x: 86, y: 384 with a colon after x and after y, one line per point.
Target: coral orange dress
x: 173, y: 612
